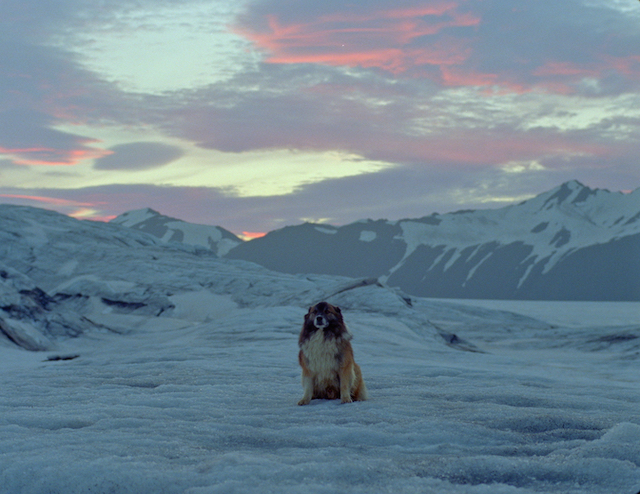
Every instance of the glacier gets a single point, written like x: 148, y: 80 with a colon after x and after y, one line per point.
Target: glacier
x: 131, y: 365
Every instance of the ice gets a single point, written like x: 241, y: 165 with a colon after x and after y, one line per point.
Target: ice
x: 195, y: 391
x: 572, y: 314
x: 201, y: 306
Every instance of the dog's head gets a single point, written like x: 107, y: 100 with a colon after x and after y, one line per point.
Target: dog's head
x: 323, y: 315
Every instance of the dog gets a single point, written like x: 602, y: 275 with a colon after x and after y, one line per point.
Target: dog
x: 329, y: 371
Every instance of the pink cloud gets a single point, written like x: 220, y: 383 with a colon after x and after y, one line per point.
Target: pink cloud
x: 483, y: 149
x: 384, y: 39
x: 53, y: 201
x: 81, y: 210
x: 561, y: 76
x: 494, y: 51
x: 628, y: 66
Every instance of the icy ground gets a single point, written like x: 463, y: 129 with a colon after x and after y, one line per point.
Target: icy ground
x: 182, y: 377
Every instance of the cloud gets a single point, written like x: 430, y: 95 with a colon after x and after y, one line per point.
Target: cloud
x: 138, y: 156
x: 404, y: 112
x: 401, y: 192
x: 546, y: 45
x: 28, y: 138
x: 463, y: 99
x: 46, y: 200
x: 386, y: 37
x: 42, y: 87
x: 391, y: 38
x: 399, y: 122
x: 7, y: 164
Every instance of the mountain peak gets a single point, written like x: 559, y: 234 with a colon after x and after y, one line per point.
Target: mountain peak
x: 135, y: 216
x: 573, y: 192
x: 170, y: 229
x: 574, y: 184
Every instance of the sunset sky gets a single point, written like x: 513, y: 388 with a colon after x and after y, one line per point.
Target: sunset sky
x: 253, y: 115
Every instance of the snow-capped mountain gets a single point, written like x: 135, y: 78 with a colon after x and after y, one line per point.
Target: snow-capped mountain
x: 170, y: 229
x: 163, y: 368
x: 571, y: 243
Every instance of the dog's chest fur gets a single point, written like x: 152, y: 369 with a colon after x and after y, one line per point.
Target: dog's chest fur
x: 322, y: 354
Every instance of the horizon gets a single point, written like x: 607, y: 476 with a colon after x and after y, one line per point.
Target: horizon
x: 247, y: 236
x: 259, y: 114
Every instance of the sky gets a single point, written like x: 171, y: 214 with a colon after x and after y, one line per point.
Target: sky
x: 254, y: 115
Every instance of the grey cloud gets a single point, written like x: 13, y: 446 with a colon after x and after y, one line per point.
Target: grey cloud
x: 28, y: 135
x: 42, y: 87
x: 411, y: 127
x: 518, y: 40
x: 138, y: 156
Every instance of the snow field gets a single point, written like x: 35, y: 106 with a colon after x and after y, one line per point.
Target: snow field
x: 211, y: 408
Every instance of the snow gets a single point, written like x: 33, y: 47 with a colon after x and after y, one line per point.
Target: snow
x: 367, y: 236
x: 571, y: 314
x: 557, y: 245
x: 177, y: 406
x: 132, y: 218
x: 195, y: 391
x: 570, y: 222
x: 172, y: 230
x: 327, y: 230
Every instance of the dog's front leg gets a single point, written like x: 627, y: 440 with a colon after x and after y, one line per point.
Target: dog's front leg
x: 307, y: 386
x: 346, y: 381
x: 307, y: 380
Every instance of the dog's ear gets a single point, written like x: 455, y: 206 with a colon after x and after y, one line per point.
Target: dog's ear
x: 338, y: 309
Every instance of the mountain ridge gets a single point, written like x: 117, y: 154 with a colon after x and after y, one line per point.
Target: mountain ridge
x: 169, y: 229
x: 569, y: 243
x: 552, y: 246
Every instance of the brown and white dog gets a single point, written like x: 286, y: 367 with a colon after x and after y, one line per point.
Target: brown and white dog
x: 326, y: 357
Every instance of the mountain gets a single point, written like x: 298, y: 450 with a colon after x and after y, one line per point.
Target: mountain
x: 170, y: 229
x: 570, y: 243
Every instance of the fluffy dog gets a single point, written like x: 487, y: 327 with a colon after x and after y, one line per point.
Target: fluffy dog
x: 326, y: 357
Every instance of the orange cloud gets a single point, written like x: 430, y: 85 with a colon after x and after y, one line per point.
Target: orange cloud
x: 89, y: 213
x: 52, y: 157
x: 252, y: 235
